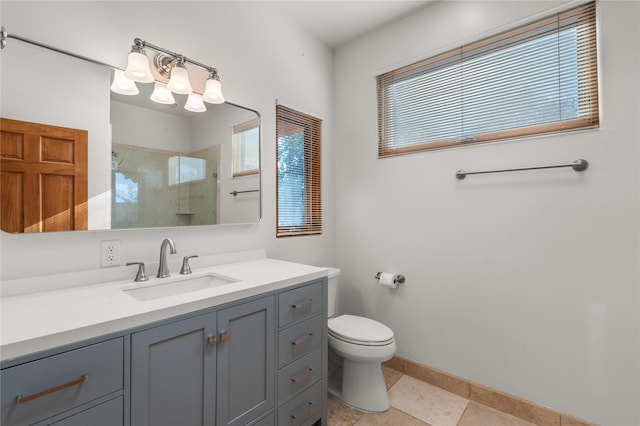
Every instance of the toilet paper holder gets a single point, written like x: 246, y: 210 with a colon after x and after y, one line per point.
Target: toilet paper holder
x: 397, y: 279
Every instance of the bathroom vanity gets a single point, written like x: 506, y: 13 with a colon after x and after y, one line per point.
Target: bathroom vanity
x: 248, y: 350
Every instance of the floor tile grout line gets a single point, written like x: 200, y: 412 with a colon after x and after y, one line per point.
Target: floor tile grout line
x: 466, y: 407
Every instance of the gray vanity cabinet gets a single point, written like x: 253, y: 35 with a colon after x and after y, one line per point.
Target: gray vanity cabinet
x: 259, y: 361
x: 246, y: 362
x: 173, y: 373
x: 217, y: 368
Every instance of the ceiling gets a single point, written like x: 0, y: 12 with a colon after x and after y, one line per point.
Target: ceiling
x: 336, y: 23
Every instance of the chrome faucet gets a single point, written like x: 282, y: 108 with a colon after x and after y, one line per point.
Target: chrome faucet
x: 163, y: 269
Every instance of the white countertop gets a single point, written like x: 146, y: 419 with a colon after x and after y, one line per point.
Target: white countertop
x: 42, y: 320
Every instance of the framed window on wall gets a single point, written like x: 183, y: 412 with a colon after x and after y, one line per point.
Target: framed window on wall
x: 538, y: 78
x: 298, y: 189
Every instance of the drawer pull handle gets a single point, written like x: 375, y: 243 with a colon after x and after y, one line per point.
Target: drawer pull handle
x: 212, y: 339
x: 303, y: 340
x: 302, y: 304
x: 304, y: 411
x: 302, y: 376
x: 24, y: 399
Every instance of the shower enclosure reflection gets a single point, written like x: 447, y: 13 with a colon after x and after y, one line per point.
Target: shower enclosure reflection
x: 168, y: 164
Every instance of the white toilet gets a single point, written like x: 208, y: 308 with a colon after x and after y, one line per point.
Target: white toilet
x: 362, y: 344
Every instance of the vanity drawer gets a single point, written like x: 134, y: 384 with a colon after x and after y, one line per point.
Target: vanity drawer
x: 305, y: 409
x: 110, y: 413
x: 43, y: 388
x: 299, y: 303
x: 299, y: 340
x: 299, y: 374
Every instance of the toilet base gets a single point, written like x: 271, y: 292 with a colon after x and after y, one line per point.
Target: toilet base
x: 363, y: 386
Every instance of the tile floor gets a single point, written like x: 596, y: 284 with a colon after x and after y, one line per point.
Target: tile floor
x: 417, y: 403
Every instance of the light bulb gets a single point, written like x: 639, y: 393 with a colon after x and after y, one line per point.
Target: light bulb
x: 123, y: 85
x: 213, y: 92
x: 138, y: 68
x: 162, y: 95
x: 194, y: 103
x: 179, y: 81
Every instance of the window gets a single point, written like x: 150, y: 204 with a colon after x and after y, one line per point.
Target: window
x: 538, y: 78
x: 246, y: 148
x: 298, y: 204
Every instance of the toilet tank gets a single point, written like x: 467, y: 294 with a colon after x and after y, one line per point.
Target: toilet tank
x: 334, y: 274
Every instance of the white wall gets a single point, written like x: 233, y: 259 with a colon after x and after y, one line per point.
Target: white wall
x: 63, y: 103
x: 527, y: 282
x: 148, y: 128
x: 260, y: 56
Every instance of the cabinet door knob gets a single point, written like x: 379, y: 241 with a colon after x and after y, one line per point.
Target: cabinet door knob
x: 224, y: 336
x: 212, y: 339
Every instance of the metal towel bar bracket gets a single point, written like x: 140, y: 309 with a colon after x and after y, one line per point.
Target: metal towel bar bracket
x: 579, y: 165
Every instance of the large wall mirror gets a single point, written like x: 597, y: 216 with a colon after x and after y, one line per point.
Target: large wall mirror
x: 148, y: 165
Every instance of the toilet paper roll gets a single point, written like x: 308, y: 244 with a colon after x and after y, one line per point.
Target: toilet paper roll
x: 388, y: 280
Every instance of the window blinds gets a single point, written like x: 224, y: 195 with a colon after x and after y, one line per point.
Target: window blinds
x: 537, y: 78
x: 298, y: 207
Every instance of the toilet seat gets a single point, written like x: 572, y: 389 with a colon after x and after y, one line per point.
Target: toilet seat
x: 360, y: 331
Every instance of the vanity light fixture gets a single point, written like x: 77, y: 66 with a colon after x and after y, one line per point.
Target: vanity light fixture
x: 138, y: 64
x: 195, y: 103
x: 122, y: 85
x: 179, y: 81
x: 172, y: 66
x: 162, y: 95
x: 167, y: 64
x: 213, y: 90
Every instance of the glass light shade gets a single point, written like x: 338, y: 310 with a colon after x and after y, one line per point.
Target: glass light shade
x: 162, y: 95
x: 213, y: 92
x: 123, y: 85
x: 194, y: 103
x: 138, y: 68
x: 179, y: 81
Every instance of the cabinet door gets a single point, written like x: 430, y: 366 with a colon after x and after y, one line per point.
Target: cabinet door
x: 246, y: 361
x: 173, y: 374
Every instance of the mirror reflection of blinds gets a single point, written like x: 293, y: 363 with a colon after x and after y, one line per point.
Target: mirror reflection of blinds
x: 538, y: 78
x: 299, y: 209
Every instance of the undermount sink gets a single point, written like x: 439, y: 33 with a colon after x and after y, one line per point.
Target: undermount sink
x: 173, y: 287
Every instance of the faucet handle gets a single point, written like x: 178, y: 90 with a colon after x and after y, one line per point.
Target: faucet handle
x: 141, y: 275
x: 186, y: 269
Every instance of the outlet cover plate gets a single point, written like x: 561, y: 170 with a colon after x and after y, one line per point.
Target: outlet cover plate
x: 110, y: 253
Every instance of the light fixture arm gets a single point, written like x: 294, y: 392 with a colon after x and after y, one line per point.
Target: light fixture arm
x: 178, y: 56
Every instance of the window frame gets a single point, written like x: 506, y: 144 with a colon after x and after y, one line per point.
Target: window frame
x: 312, y: 223
x: 587, y: 81
x: 237, y: 130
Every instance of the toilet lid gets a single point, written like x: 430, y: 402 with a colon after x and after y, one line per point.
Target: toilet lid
x: 360, y: 330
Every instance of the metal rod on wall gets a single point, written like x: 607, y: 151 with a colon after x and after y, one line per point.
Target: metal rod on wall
x: 234, y: 193
x: 579, y: 165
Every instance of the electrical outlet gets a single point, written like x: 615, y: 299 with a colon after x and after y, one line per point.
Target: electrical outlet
x: 110, y: 253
